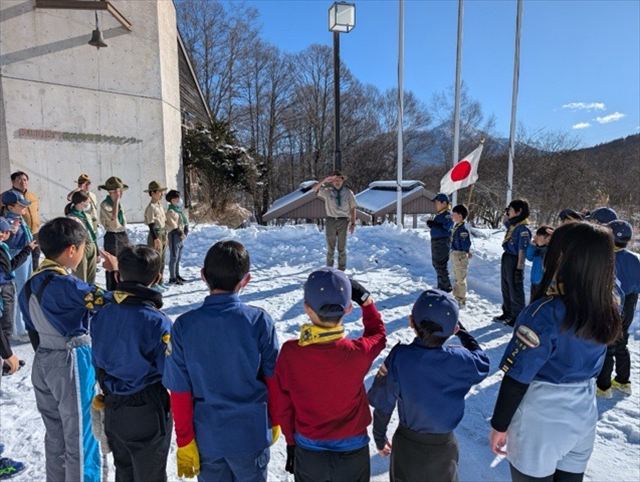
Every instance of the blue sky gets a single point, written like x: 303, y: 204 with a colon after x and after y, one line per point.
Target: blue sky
x: 583, y: 55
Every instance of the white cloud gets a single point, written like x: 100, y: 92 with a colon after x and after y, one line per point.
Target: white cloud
x: 616, y: 116
x: 581, y: 125
x: 584, y: 106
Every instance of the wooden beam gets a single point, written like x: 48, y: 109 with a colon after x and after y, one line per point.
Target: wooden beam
x: 86, y: 5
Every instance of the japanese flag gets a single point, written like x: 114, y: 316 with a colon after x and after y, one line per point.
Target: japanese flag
x: 462, y: 174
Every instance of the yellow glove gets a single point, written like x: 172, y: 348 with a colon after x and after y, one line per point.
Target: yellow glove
x: 275, y: 434
x: 188, y: 460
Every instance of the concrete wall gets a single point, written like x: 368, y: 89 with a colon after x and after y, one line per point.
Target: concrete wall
x: 70, y: 108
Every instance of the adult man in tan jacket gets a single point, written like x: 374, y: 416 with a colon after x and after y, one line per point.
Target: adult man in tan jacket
x: 20, y: 184
x: 340, y: 205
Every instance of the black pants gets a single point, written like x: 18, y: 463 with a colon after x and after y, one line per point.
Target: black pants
x: 440, y: 249
x: 326, y: 466
x: 419, y: 456
x: 113, y: 244
x: 138, y: 428
x: 558, y: 476
x: 618, y: 352
x: 7, y: 300
x: 512, y: 289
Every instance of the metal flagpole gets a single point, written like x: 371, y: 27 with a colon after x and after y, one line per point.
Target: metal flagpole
x: 400, y: 110
x: 514, y: 102
x: 456, y: 110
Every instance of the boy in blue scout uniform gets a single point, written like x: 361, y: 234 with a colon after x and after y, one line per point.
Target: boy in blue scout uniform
x: 8, y: 265
x: 15, y: 207
x: 515, y: 245
x: 440, y: 227
x: 57, y: 307
x: 535, y: 253
x: 602, y: 215
x: 628, y: 273
x: 545, y: 416
x: 130, y: 340
x: 460, y: 252
x: 222, y: 355
x: 429, y: 382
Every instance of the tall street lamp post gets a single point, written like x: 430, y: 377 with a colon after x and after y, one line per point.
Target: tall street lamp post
x: 342, y: 18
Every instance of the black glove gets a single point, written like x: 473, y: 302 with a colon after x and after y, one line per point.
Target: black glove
x: 186, y: 230
x: 291, y: 457
x: 359, y: 293
x: 519, y: 276
x: 467, y: 340
x: 430, y: 223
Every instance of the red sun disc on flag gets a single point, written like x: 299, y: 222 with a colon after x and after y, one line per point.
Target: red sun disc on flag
x: 461, y: 171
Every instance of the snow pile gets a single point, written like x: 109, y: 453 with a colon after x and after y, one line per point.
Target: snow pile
x: 395, y: 266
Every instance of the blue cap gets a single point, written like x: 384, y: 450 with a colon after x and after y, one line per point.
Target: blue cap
x: 622, y: 230
x: 13, y: 197
x: 328, y: 292
x: 442, y: 197
x: 570, y: 214
x: 603, y: 215
x: 4, y: 225
x: 437, y: 306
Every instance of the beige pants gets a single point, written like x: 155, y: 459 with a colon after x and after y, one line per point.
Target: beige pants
x: 460, y: 260
x: 336, y: 231
x: 86, y: 270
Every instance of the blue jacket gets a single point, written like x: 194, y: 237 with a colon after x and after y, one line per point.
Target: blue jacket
x: 130, y: 339
x: 461, y: 238
x: 535, y: 254
x: 628, y: 271
x: 517, y: 239
x: 542, y: 350
x: 441, y: 225
x: 222, y: 353
x: 428, y: 384
x: 65, y: 301
x: 21, y: 237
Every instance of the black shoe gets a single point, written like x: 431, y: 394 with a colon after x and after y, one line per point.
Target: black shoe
x: 502, y: 318
x: 181, y: 279
x: 173, y: 281
x: 509, y: 322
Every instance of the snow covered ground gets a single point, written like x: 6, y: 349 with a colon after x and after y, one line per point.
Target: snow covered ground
x: 395, y: 266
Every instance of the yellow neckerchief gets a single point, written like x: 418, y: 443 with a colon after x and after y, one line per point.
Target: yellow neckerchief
x: 120, y: 296
x: 509, y: 233
x: 456, y: 227
x: 51, y: 265
x: 443, y: 210
x: 617, y: 249
x: 311, y: 334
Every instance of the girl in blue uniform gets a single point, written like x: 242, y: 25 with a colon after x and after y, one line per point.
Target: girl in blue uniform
x: 545, y: 417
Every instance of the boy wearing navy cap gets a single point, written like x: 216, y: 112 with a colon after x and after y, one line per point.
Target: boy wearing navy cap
x: 441, y: 226
x: 628, y: 273
x: 318, y: 392
x: 429, y: 382
x: 130, y: 340
x: 602, y: 215
x: 222, y: 355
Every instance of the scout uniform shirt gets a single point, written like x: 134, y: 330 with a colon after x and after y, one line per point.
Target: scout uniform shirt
x: 337, y: 202
x: 442, y: 224
x: 460, y: 239
x: 155, y: 215
x: 106, y: 210
x: 517, y: 238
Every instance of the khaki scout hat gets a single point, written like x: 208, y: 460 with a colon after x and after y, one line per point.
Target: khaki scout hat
x: 82, y: 178
x: 155, y: 186
x: 113, y: 183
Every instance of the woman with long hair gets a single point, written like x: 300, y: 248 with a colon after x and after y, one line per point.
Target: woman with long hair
x: 545, y: 417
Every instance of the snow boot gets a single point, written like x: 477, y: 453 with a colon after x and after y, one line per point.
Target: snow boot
x: 622, y: 387
x: 608, y: 393
x: 9, y: 468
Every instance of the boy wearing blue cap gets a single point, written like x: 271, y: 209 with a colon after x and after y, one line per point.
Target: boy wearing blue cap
x: 602, y: 215
x: 628, y: 273
x: 318, y: 392
x: 15, y: 207
x: 441, y: 226
x: 8, y: 265
x: 429, y: 382
x: 130, y: 341
x: 222, y: 356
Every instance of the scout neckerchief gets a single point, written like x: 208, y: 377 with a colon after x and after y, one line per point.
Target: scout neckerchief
x: 109, y: 201
x: 83, y: 217
x: 130, y: 292
x: 23, y: 225
x: 176, y: 209
x: 311, y: 334
x: 51, y: 265
x: 512, y: 227
x: 5, y: 248
x: 91, y: 299
x: 338, y: 195
x: 455, y: 228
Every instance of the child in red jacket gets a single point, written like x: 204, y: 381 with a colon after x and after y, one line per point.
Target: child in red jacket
x: 317, y: 392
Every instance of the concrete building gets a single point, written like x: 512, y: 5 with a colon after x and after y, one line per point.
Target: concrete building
x: 67, y: 107
x: 380, y: 198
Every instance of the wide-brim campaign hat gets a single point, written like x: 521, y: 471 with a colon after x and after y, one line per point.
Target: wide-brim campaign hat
x: 82, y: 178
x: 113, y: 183
x: 155, y: 186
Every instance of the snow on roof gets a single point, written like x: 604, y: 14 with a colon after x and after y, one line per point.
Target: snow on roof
x: 302, y: 190
x: 379, y: 194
